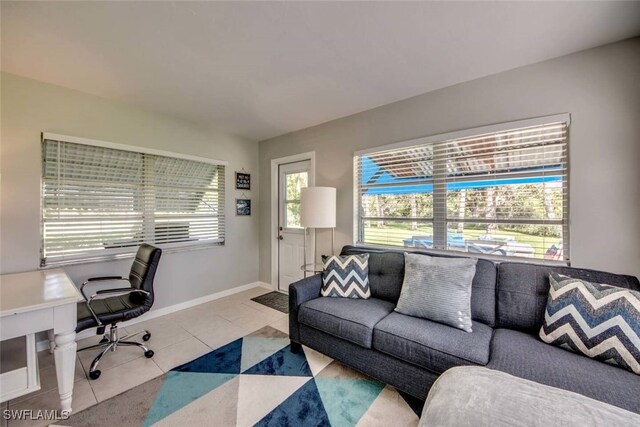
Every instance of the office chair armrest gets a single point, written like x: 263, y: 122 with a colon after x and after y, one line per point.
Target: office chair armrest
x: 110, y: 292
x: 99, y: 279
x: 117, y: 292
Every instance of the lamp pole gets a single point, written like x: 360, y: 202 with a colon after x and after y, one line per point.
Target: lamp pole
x: 333, y: 237
x: 304, y: 252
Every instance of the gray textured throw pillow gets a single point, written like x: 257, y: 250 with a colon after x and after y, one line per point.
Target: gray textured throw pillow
x: 438, y: 289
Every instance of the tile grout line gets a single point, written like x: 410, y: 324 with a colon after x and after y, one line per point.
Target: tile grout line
x: 162, y: 370
x: 209, y: 347
x: 92, y: 392
x: 139, y: 357
x: 193, y: 336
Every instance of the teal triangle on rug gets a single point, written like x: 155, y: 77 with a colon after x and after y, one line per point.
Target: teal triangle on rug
x: 181, y: 388
x: 346, y: 399
x: 256, y: 349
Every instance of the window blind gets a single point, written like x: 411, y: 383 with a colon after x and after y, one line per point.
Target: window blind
x: 499, y: 193
x: 100, y: 202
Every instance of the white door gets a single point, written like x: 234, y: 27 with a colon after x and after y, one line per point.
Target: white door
x: 291, y: 178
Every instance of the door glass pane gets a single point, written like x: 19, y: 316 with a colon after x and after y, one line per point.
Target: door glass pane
x: 292, y: 214
x: 295, y: 181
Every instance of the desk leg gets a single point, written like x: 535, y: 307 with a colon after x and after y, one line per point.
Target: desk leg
x: 52, y: 342
x: 65, y: 358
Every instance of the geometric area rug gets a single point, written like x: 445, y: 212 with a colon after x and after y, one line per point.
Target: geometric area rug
x: 256, y: 381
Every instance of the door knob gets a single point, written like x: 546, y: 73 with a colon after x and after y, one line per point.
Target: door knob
x: 280, y: 237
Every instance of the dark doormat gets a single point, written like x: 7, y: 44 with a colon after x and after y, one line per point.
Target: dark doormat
x: 276, y: 300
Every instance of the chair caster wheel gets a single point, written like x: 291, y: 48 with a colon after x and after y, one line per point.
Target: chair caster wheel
x: 148, y: 354
x: 94, y: 375
x: 146, y: 337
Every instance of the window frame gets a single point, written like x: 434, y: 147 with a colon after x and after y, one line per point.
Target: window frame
x: 127, y: 252
x: 440, y: 218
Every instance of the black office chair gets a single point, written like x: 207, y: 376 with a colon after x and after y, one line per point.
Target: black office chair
x: 110, y: 306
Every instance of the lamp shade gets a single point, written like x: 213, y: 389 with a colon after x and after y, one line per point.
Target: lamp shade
x: 318, y: 207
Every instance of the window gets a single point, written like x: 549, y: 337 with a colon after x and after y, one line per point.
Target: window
x: 498, y: 191
x: 294, y: 183
x: 102, y: 200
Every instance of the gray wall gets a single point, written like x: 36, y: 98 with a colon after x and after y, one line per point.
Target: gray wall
x: 600, y: 88
x: 30, y: 107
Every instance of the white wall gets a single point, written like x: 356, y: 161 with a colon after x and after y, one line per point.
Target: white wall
x: 600, y: 88
x: 30, y: 107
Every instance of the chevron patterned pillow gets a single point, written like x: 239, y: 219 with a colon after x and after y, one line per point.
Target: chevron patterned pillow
x: 346, y: 276
x: 599, y: 321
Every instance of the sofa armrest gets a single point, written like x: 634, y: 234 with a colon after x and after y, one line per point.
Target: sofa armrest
x: 300, y: 292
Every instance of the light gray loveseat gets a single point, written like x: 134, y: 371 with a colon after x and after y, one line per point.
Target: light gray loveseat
x: 507, y: 303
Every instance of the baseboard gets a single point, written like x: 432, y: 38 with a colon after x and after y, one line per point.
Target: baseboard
x: 152, y: 314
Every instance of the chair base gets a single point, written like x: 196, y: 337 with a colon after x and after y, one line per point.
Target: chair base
x: 110, y: 342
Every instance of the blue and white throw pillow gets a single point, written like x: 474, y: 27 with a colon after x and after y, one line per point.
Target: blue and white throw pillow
x: 599, y: 321
x: 346, y: 276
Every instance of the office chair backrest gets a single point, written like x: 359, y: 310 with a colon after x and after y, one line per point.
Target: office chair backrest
x: 143, y: 271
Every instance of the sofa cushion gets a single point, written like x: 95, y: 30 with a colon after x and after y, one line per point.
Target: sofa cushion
x: 347, y: 318
x: 386, y: 272
x: 525, y: 356
x: 438, y: 289
x: 597, y: 320
x: 431, y: 345
x: 523, y: 290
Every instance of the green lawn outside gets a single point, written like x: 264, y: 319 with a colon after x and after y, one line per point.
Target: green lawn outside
x: 394, y: 234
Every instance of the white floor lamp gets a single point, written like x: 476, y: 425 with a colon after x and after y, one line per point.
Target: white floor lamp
x: 317, y: 210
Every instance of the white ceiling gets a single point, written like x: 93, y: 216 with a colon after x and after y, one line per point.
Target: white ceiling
x: 263, y: 69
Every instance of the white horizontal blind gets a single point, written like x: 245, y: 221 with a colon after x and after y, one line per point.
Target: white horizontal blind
x: 395, y: 194
x: 502, y: 193
x: 100, y: 202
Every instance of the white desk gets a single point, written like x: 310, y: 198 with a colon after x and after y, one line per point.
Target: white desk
x: 33, y: 302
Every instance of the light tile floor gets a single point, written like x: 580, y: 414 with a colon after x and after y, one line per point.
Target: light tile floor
x: 175, y: 338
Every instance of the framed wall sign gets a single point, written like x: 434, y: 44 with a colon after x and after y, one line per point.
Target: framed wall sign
x: 243, y: 181
x: 243, y: 207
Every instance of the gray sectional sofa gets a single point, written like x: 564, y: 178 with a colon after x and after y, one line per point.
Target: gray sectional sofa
x: 507, y: 303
